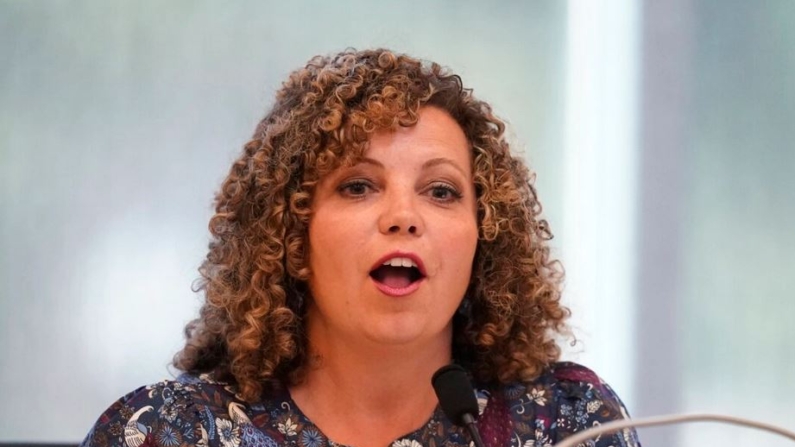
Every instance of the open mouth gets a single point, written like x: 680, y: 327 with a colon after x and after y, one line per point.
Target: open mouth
x: 397, y: 273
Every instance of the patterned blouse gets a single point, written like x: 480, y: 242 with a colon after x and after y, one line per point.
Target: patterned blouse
x: 197, y: 411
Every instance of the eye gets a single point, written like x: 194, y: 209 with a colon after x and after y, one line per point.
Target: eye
x: 355, y: 188
x: 443, y: 192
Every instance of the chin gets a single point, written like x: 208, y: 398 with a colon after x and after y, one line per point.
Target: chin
x: 404, y: 331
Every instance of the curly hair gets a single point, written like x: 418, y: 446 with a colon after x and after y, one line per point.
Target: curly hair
x: 250, y: 328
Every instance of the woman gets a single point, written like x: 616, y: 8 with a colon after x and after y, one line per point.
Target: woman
x: 375, y: 229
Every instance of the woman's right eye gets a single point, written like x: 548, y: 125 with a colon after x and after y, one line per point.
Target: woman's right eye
x: 355, y: 188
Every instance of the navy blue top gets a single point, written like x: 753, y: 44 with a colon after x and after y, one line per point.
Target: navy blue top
x: 197, y: 411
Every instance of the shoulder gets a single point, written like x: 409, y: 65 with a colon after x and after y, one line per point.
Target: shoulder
x: 576, y: 383
x: 560, y: 384
x: 566, y: 398
x: 169, y: 413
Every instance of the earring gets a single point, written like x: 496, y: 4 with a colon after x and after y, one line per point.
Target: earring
x: 465, y: 308
x: 297, y: 299
x: 298, y: 302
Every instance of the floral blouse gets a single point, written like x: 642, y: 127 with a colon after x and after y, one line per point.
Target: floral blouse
x: 197, y: 411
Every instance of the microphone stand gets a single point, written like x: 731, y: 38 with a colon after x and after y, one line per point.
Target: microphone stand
x: 469, y: 420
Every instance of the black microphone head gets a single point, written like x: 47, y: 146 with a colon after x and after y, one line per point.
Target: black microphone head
x: 455, y: 393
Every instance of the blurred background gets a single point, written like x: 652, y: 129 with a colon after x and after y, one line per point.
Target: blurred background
x: 661, y: 133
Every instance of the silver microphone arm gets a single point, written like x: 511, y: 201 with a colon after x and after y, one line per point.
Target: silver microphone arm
x: 614, y: 426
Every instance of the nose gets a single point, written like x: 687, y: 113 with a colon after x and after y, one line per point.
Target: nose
x: 401, y: 215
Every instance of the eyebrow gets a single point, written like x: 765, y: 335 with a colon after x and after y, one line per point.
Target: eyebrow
x: 428, y: 164
x: 443, y: 161
x: 370, y: 161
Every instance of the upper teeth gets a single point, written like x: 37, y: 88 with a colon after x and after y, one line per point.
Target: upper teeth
x: 401, y: 262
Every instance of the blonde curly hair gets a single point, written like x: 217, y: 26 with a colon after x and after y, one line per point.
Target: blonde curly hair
x: 250, y: 328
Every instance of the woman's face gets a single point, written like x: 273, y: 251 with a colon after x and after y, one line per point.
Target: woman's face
x: 392, y: 238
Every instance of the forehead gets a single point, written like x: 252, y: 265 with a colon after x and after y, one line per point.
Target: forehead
x: 435, y: 132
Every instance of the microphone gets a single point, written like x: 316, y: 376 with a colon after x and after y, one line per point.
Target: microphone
x: 457, y: 398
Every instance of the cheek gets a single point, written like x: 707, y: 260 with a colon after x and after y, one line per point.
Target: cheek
x: 331, y: 238
x: 319, y: 251
x: 460, y: 248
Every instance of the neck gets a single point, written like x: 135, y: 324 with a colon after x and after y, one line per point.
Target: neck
x: 377, y: 378
x: 356, y: 384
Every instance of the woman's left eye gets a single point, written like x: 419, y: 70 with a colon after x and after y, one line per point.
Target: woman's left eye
x: 443, y: 192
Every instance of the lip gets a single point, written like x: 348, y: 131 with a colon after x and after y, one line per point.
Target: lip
x: 411, y: 288
x: 401, y: 254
